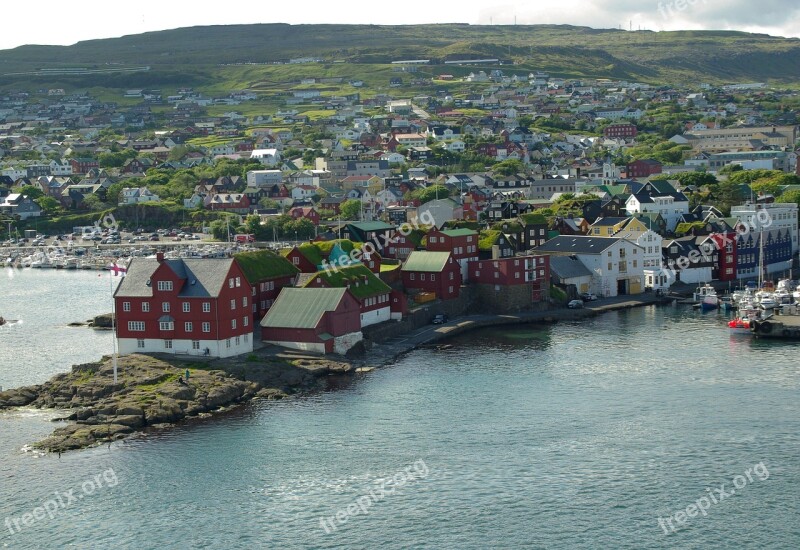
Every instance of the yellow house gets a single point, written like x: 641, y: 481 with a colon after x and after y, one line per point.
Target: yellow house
x: 373, y: 184
x: 606, y: 227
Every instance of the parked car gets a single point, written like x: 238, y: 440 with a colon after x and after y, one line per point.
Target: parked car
x: 588, y: 297
x: 439, y: 319
x: 575, y: 304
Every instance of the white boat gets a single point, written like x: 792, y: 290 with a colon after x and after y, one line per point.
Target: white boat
x: 767, y: 302
x: 707, y: 296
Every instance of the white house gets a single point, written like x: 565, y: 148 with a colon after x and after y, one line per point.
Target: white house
x: 441, y: 211
x: 264, y: 178
x: 650, y: 242
x: 616, y: 264
x: 394, y: 158
x: 136, y: 195
x: 300, y: 192
x: 267, y: 157
x: 661, y: 199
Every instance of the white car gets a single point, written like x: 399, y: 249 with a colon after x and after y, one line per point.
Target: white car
x: 575, y: 304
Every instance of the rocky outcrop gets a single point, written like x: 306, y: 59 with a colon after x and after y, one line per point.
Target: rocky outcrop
x: 150, y: 391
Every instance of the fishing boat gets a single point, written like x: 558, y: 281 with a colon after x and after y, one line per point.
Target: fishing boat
x: 707, y: 296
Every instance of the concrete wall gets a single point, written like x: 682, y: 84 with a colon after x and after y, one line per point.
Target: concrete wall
x: 184, y: 347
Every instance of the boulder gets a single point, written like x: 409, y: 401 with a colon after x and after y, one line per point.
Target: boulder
x: 132, y: 421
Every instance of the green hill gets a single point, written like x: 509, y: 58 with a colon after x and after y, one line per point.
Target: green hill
x: 244, y: 55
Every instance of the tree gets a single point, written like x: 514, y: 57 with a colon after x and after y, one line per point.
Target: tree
x: 697, y: 179
x: 93, y: 203
x: 48, y: 204
x: 267, y: 202
x: 790, y: 196
x: 508, y: 167
x: 350, y: 209
x: 112, y: 194
x: 431, y: 193
x: 31, y: 191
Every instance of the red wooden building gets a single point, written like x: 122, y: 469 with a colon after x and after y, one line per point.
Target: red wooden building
x: 518, y: 270
x: 307, y: 212
x: 462, y: 244
x: 435, y: 272
x: 184, y: 306
x: 322, y: 320
x: 267, y: 274
x: 623, y: 131
x: 644, y: 168
x: 366, y: 287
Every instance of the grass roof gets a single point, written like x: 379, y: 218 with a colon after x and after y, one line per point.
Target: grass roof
x: 264, y: 264
x: 532, y: 218
x: 488, y: 239
x: 363, y: 282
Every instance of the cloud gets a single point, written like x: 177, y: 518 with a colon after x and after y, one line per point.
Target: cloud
x: 777, y: 17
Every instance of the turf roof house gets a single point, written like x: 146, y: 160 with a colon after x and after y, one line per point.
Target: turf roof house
x: 267, y: 274
x: 319, y: 255
x: 372, y: 293
x: 322, y: 320
x: 378, y: 233
x: 184, y: 306
x: 494, y: 244
x: 435, y: 272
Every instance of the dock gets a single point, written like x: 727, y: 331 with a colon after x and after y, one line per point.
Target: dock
x: 784, y: 327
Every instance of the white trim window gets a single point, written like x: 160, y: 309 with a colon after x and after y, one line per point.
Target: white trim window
x: 136, y: 326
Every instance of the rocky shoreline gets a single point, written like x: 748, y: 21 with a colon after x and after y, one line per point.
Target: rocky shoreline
x: 153, y: 391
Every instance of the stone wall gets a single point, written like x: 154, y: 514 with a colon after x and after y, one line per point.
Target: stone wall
x: 506, y: 299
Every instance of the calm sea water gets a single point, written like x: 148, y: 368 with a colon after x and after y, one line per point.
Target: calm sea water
x: 568, y: 436
x: 45, y: 302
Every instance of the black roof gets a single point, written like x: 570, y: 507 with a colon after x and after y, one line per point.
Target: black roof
x: 577, y: 244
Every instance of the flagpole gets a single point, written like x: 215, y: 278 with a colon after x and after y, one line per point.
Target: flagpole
x: 113, y: 324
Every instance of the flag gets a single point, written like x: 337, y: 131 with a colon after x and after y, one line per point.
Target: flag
x: 118, y: 270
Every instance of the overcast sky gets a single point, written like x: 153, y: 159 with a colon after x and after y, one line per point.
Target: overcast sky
x: 69, y: 22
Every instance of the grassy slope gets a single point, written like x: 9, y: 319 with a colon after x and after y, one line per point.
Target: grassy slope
x: 202, y: 56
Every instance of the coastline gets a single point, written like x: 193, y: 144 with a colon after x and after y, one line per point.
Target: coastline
x: 151, y: 391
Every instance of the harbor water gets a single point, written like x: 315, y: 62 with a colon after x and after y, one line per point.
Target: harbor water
x: 595, y: 434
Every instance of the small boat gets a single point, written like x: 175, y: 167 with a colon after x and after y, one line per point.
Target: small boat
x: 743, y: 324
x: 768, y: 302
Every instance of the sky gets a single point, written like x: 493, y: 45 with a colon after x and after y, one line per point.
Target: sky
x: 64, y: 23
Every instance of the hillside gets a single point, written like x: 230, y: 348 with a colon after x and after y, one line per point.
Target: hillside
x: 202, y: 56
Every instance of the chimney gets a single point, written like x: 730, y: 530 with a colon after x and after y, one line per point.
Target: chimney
x: 159, y: 257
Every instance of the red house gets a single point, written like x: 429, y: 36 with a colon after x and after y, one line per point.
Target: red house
x: 83, y: 165
x: 728, y: 257
x: 518, y: 270
x: 623, y: 131
x: 462, y: 244
x: 184, y: 306
x: 644, y: 168
x: 307, y: 212
x: 231, y: 202
x: 366, y: 287
x: 435, y: 272
x: 322, y: 320
x: 267, y: 274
